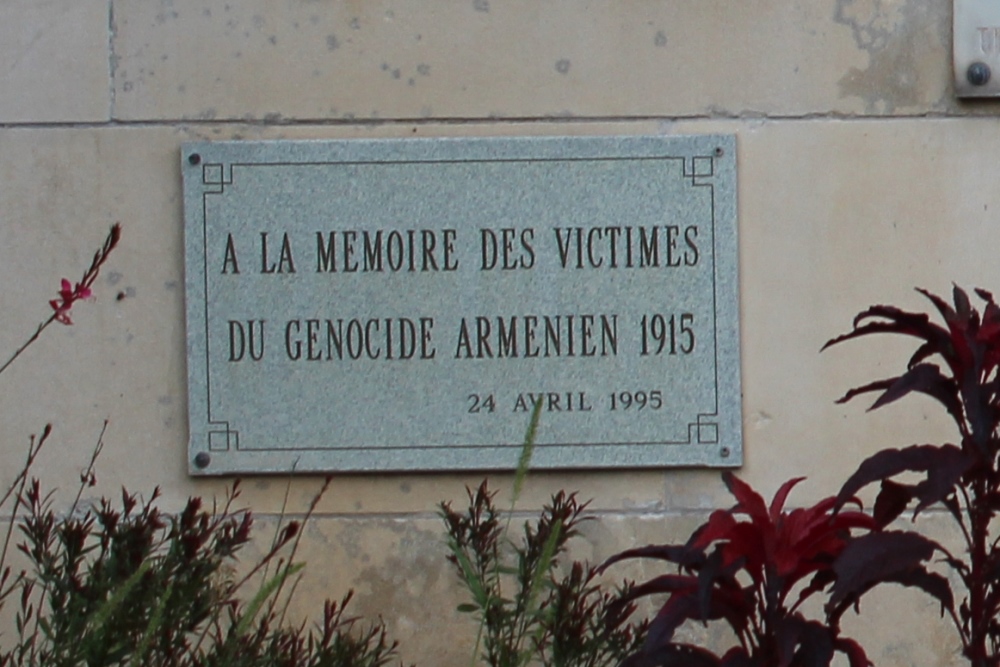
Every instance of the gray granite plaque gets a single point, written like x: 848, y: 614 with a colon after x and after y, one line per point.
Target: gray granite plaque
x: 402, y: 304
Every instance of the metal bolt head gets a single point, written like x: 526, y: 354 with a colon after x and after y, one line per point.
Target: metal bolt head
x: 202, y: 459
x: 978, y: 74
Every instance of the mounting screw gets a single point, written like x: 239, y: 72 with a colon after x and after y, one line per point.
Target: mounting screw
x: 724, y: 452
x: 202, y: 459
x: 978, y: 74
x: 719, y: 152
x: 194, y: 159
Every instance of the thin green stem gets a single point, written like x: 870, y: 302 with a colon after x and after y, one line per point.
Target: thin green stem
x: 38, y: 332
x: 87, y: 476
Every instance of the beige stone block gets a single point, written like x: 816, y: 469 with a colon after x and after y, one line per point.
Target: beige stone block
x: 54, y: 61
x: 398, y: 570
x: 389, y: 59
x: 834, y: 216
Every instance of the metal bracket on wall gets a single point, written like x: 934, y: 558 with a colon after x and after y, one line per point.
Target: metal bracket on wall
x: 976, y: 48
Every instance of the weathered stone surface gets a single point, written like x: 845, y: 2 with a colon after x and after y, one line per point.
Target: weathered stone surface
x: 834, y: 215
x: 398, y: 569
x: 831, y: 220
x: 54, y: 61
x: 388, y: 59
x: 836, y: 212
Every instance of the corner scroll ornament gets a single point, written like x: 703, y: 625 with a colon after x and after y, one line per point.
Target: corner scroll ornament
x: 223, y: 440
x: 213, y: 174
x: 218, y: 176
x: 700, y: 169
x: 704, y: 432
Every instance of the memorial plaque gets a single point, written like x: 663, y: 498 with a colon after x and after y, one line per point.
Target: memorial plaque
x: 372, y: 305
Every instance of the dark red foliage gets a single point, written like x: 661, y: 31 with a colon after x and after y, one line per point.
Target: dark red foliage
x: 956, y: 364
x: 742, y: 567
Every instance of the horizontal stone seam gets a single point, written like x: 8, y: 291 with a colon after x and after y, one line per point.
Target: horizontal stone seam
x: 521, y: 515
x: 421, y: 515
x: 645, y: 513
x: 465, y: 121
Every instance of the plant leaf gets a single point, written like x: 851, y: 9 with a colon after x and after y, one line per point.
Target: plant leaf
x: 875, y: 558
x: 471, y: 577
x: 942, y: 306
x: 544, y: 564
x: 877, y: 385
x: 706, y: 582
x: 665, y: 583
x: 153, y: 626
x: 719, y: 526
x: 956, y: 349
x: 820, y: 580
x: 99, y: 618
x: 778, y: 502
x: 749, y: 500
x: 527, y: 450
x: 925, y: 379
x: 891, y: 501
x: 899, y: 321
x: 944, y: 466
x: 676, y: 610
x: 263, y: 595
x: 929, y: 582
x: 681, y: 554
x: 962, y: 306
x: 925, y: 351
x: 804, y: 642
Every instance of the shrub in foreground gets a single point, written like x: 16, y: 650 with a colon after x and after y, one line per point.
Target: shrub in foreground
x: 751, y: 567
x: 530, y: 609
x: 128, y: 584
x: 956, y: 364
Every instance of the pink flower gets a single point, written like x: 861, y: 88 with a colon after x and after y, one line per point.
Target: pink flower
x: 68, y: 295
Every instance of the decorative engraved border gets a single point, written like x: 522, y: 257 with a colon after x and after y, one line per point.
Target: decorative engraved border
x: 698, y: 169
x: 217, y: 175
x: 224, y: 440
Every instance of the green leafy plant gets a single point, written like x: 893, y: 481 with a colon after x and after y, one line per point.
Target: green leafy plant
x: 956, y: 364
x: 751, y: 567
x: 128, y: 584
x: 528, y: 610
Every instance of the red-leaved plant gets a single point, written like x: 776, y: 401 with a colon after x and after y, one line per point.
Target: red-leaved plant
x: 963, y: 477
x: 752, y: 566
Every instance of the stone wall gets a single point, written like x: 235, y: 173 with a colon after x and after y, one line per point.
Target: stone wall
x: 860, y: 177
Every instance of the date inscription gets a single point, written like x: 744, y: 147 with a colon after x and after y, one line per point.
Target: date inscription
x: 565, y: 401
